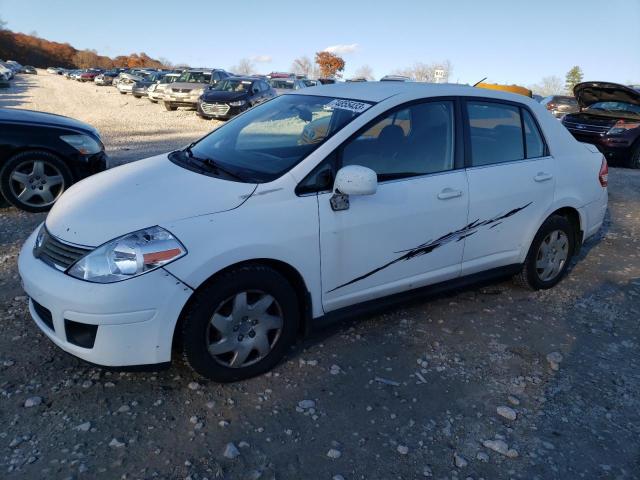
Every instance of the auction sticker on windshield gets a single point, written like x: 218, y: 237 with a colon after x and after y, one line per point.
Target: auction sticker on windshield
x: 351, y: 105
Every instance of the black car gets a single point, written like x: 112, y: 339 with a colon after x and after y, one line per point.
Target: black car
x: 609, y: 118
x: 232, y: 96
x: 28, y: 69
x: 42, y: 155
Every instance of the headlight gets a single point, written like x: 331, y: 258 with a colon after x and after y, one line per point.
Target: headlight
x: 129, y: 256
x: 83, y: 143
x: 622, y: 126
x: 239, y: 103
x: 197, y: 92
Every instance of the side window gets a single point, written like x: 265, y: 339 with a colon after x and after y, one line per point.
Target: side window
x: 414, y: 141
x: 535, y: 145
x: 495, y: 132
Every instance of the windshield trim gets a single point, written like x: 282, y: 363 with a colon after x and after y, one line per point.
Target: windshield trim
x: 255, y: 173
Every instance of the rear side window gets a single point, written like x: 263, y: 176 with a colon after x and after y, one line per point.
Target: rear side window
x: 535, y: 145
x: 495, y: 132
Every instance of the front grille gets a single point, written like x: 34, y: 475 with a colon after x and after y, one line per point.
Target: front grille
x: 215, y: 108
x: 58, y: 254
x: 586, y: 128
x: 44, y: 314
x: 180, y: 90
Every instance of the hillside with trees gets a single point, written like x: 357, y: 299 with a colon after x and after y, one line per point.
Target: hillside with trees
x: 32, y: 50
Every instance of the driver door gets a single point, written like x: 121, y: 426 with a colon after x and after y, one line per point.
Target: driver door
x: 408, y: 234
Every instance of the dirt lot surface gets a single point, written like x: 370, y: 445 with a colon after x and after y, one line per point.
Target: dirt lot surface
x: 491, y: 382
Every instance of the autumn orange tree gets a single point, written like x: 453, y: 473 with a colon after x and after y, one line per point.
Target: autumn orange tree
x: 329, y: 64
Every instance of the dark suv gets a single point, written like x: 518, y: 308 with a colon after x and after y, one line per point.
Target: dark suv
x: 609, y: 118
x: 232, y: 96
x: 42, y: 155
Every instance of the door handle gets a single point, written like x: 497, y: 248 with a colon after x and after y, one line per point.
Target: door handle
x: 542, y: 177
x: 448, y: 193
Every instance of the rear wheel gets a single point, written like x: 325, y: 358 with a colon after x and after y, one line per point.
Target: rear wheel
x: 138, y: 96
x: 169, y: 106
x: 122, y: 93
x: 549, y: 254
x: 241, y: 324
x: 34, y: 180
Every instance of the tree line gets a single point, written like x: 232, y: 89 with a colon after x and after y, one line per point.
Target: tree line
x: 32, y: 50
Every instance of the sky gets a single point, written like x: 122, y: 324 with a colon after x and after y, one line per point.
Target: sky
x: 511, y: 42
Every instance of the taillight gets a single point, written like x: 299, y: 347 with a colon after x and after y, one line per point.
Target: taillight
x: 603, y: 175
x: 551, y: 106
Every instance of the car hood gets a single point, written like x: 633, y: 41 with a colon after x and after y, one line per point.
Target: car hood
x: 187, y: 85
x: 16, y: 115
x: 149, y: 192
x: 220, y: 96
x: 588, y: 93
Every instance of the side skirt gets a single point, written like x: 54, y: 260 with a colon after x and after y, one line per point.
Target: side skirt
x: 424, y: 293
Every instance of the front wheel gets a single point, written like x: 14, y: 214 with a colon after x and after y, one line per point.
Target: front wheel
x: 34, y: 180
x: 634, y: 162
x: 169, y: 106
x: 122, y: 93
x: 241, y: 324
x: 549, y: 254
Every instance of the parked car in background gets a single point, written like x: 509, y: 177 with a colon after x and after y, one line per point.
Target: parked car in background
x: 6, y: 70
x: 311, y: 83
x: 232, y: 96
x: 609, y: 118
x: 139, y: 89
x: 89, y: 75
x: 395, y: 78
x: 42, y: 155
x: 155, y: 92
x: 186, y: 90
x: 29, y: 70
x: 105, y: 78
x: 286, y: 85
x: 223, y: 251
x: 560, y: 105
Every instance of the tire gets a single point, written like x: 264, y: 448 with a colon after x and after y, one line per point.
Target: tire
x: 223, y: 299
x: 634, y: 161
x: 169, y: 106
x: 122, y: 93
x: 138, y: 96
x: 42, y: 171
x: 538, y: 274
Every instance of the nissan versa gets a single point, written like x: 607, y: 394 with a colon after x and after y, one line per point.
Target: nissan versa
x: 231, y: 247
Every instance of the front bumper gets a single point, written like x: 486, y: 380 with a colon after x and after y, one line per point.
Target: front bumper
x: 181, y: 100
x: 139, y: 91
x: 135, y: 318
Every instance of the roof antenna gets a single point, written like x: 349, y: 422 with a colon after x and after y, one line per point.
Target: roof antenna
x: 479, y: 81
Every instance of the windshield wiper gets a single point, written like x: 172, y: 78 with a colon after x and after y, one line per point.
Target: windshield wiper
x: 211, y: 164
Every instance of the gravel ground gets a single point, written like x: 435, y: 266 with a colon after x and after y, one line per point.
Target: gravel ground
x: 490, y: 382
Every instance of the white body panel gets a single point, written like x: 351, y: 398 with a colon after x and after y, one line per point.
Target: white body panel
x: 222, y: 223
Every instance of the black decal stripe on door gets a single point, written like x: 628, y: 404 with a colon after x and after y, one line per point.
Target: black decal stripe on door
x: 431, y: 245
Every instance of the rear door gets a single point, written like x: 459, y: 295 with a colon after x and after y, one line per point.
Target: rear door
x: 511, y: 182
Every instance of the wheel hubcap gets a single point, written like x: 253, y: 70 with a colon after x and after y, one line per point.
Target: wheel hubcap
x: 244, y: 329
x: 36, y: 183
x: 552, y: 255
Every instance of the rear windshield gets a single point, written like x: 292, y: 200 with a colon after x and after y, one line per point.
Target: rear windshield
x: 275, y: 83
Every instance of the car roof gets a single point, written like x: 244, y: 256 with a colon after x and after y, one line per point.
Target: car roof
x: 379, y: 91
x: 243, y: 78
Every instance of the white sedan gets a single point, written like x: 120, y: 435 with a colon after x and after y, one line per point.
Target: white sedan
x: 233, y: 246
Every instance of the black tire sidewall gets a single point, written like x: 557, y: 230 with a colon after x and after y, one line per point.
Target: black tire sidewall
x: 8, y: 167
x: 553, y: 223
x: 207, y: 300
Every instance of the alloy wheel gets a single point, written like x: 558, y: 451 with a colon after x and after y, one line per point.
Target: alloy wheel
x: 36, y: 183
x: 552, y: 255
x: 244, y: 329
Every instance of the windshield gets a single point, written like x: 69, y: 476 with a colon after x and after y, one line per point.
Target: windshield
x: 195, y: 77
x: 169, y: 79
x: 282, y: 84
x: 270, y: 139
x: 234, y: 85
x: 616, y: 107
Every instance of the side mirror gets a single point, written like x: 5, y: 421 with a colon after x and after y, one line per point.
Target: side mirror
x: 352, y: 180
